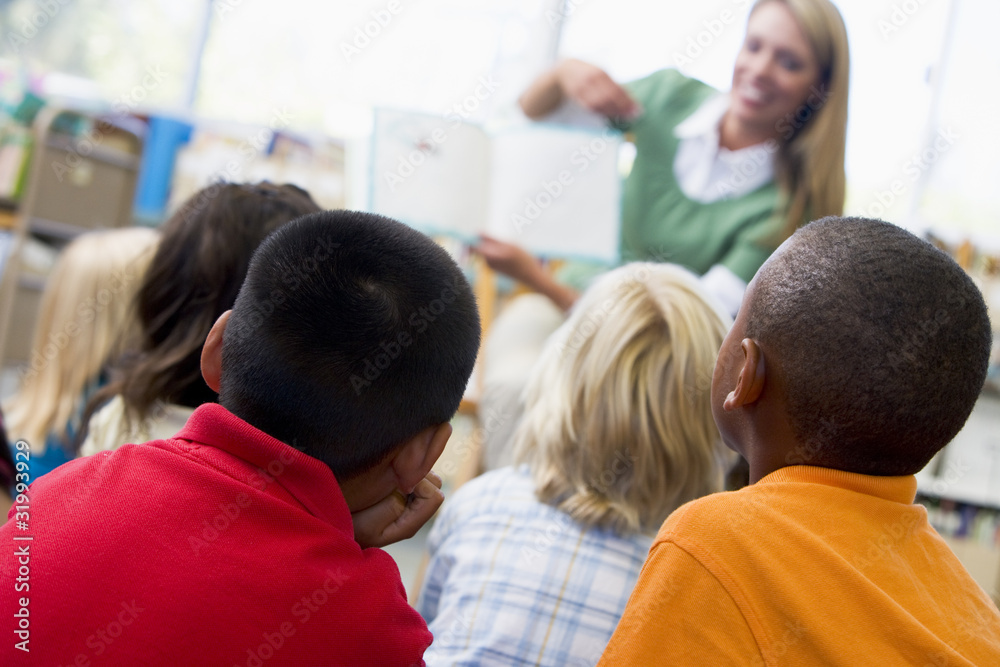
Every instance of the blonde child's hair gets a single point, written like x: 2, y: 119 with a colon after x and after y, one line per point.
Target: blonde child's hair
x: 85, y: 317
x: 618, y: 429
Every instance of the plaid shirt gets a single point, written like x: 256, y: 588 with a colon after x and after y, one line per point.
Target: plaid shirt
x: 512, y: 580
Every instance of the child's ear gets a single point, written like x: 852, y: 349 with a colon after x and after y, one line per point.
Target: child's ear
x: 750, y: 382
x: 415, y: 458
x: 211, y: 353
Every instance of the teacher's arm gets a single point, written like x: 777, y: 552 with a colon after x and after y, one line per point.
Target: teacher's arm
x: 586, y: 84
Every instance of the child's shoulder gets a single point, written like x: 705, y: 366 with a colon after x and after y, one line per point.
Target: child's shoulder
x: 716, y: 516
x: 499, y: 483
x: 495, y: 491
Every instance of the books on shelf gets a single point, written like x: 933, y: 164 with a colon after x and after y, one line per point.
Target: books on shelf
x: 968, y: 469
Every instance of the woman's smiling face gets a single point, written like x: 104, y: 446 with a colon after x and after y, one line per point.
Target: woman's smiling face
x: 775, y: 70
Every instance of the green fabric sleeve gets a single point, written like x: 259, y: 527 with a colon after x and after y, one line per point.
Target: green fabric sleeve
x: 750, y: 249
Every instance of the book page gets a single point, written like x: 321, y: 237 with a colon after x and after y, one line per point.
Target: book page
x: 429, y: 172
x: 556, y: 191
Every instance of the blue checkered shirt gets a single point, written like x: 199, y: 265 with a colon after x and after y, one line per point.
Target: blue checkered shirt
x: 514, y: 581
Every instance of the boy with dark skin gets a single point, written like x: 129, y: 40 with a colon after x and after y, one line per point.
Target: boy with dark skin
x: 859, y: 351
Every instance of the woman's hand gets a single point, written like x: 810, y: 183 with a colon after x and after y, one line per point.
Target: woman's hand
x: 593, y: 89
x: 397, y: 517
x: 586, y: 84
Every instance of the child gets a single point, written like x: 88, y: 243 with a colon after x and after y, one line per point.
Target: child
x: 85, y: 318
x: 193, y: 278
x: 534, y: 564
x: 241, y: 538
x: 857, y: 354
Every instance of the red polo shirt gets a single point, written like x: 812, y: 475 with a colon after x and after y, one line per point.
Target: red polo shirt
x: 221, y: 546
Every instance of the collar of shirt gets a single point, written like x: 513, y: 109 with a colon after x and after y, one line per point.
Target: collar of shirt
x: 705, y: 171
x: 902, y: 489
x: 308, y: 480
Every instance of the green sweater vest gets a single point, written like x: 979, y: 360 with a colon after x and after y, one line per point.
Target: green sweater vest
x: 659, y: 222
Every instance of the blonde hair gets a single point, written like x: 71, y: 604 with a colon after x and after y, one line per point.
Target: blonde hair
x: 618, y: 429
x: 85, y: 317
x: 811, y: 162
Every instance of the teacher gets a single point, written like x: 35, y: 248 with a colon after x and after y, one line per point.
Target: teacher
x: 719, y: 179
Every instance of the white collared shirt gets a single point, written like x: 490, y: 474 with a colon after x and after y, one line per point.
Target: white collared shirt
x: 707, y: 172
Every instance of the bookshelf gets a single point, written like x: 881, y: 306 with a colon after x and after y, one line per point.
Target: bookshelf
x: 961, y: 489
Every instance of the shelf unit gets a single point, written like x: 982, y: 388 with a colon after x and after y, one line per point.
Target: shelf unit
x: 82, y: 177
x: 964, y: 480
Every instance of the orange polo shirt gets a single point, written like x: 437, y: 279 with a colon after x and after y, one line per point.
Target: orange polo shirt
x: 809, y: 566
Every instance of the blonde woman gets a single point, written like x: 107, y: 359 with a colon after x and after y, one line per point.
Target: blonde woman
x: 84, y: 319
x: 719, y: 179
x: 534, y: 564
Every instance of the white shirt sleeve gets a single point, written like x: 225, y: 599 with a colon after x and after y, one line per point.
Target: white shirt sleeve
x: 725, y: 286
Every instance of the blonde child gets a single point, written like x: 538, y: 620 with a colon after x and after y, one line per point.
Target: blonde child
x: 533, y: 564
x: 85, y: 318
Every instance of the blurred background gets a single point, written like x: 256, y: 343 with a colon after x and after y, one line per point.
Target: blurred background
x: 316, y: 70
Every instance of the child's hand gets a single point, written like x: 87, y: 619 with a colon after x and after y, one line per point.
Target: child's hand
x: 397, y: 517
x: 509, y: 259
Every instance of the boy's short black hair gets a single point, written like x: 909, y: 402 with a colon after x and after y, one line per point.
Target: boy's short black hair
x: 351, y: 333
x: 882, y: 340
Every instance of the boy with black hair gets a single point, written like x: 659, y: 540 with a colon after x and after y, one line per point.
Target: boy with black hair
x: 242, y: 540
x: 857, y: 354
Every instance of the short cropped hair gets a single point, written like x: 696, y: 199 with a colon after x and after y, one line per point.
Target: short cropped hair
x: 882, y: 341
x: 618, y: 428
x: 351, y: 334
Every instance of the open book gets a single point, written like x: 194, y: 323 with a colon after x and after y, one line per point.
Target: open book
x: 554, y: 190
